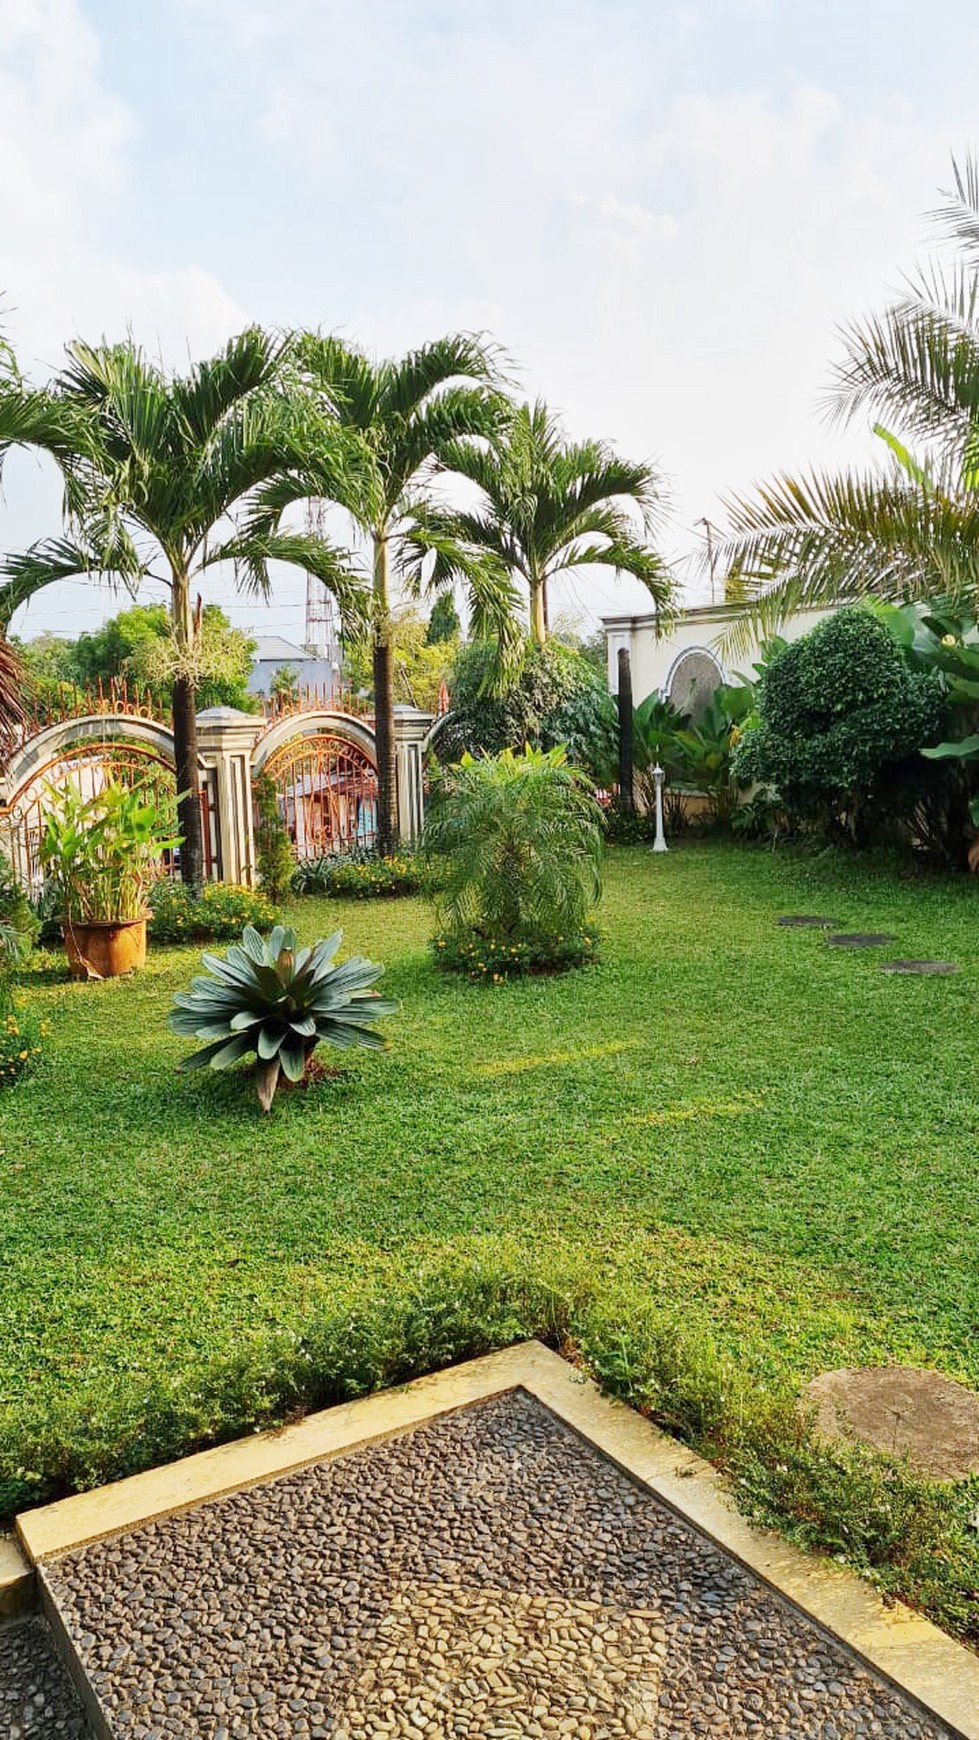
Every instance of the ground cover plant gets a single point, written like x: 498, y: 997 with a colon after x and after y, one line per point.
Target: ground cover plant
x: 361, y: 875
x: 724, y: 1159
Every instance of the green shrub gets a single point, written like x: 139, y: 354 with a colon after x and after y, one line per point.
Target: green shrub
x: 22, y: 1036
x: 361, y: 876
x: 556, y: 698
x: 841, y: 719
x: 275, y: 861
x: 215, y: 912
x: 19, y: 925
x: 497, y: 958
x: 517, y: 844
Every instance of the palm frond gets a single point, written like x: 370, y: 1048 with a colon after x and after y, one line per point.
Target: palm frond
x: 407, y: 384
x: 52, y: 559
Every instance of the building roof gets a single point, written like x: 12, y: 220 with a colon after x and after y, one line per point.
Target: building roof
x: 272, y: 646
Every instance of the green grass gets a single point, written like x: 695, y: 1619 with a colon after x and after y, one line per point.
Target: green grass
x: 725, y: 1127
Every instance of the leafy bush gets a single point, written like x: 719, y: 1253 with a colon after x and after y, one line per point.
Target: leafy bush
x: 498, y: 957
x: 361, y: 876
x: 841, y: 719
x: 21, y: 1039
x: 19, y: 925
x: 517, y: 841
x: 265, y: 998
x: 556, y: 698
x: 273, y: 847
x: 215, y: 912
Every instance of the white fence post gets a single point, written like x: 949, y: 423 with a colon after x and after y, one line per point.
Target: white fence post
x: 411, y: 727
x: 226, y: 739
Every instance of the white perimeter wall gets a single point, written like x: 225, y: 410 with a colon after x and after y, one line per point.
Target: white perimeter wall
x: 706, y: 629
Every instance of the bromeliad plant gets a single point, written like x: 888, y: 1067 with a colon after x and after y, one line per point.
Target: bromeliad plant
x: 263, y: 997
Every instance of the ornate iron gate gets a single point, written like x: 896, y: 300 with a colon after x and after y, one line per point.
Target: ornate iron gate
x: 326, y: 788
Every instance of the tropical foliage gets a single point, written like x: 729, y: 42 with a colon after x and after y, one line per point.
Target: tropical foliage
x: 267, y: 998
x: 274, y: 858
x: 166, y: 463
x: 103, y: 852
x: 909, y: 529
x: 420, y: 665
x: 400, y: 422
x: 516, y: 842
x: 547, y: 507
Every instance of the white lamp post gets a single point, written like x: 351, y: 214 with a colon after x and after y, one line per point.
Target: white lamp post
x: 659, y: 844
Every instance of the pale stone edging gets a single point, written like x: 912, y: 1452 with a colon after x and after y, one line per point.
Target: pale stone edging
x: 921, y: 1661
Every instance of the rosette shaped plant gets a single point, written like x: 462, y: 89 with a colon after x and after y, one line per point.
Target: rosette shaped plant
x: 264, y: 997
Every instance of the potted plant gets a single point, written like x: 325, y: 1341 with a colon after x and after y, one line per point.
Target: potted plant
x: 103, y: 852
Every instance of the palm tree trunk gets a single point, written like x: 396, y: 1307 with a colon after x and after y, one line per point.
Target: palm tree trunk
x: 185, y: 745
x: 387, y: 782
x: 627, y: 801
x: 538, y: 613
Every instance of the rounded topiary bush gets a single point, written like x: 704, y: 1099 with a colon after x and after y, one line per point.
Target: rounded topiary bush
x: 840, y: 720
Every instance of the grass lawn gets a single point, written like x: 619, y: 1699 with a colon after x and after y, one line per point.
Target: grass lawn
x: 768, y: 1140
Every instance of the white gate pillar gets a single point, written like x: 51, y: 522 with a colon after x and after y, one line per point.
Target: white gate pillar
x: 411, y: 727
x: 226, y: 739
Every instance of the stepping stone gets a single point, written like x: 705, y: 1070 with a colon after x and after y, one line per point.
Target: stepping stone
x: 904, y: 1412
x: 858, y: 939
x: 919, y: 967
x: 805, y: 922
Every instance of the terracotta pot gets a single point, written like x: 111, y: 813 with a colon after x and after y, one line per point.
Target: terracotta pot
x: 104, y: 951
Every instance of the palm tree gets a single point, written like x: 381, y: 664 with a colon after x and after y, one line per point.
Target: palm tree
x: 170, y: 463
x: 403, y: 421
x: 28, y: 418
x: 910, y: 528
x: 548, y: 506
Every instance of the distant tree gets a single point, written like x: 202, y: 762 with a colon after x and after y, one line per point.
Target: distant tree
x: 419, y: 666
x: 139, y: 645
x: 443, y: 622
x: 285, y: 684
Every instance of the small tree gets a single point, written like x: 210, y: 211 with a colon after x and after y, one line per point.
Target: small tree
x: 840, y: 720
x: 273, y: 847
x: 555, y: 698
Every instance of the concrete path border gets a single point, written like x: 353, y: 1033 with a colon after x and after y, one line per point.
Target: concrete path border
x: 920, y: 1661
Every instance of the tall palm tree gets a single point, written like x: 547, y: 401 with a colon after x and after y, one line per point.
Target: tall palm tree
x: 170, y: 465
x: 403, y: 421
x: 546, y: 507
x: 910, y: 527
x: 28, y: 418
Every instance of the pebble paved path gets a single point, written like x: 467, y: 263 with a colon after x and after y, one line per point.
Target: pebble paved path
x: 486, y: 1576
x: 37, y: 1699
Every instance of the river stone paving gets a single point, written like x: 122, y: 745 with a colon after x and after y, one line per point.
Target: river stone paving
x: 37, y: 1699
x: 938, y: 969
x: 487, y: 1576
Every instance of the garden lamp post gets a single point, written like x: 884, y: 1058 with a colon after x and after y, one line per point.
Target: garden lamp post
x: 659, y: 844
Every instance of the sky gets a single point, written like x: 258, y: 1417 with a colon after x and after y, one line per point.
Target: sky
x: 664, y: 212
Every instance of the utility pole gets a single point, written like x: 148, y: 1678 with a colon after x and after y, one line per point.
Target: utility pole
x: 711, y: 558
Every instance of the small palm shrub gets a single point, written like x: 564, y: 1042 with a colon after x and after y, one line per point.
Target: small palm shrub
x: 360, y: 876
x: 214, y: 912
x: 263, y: 997
x: 516, y: 842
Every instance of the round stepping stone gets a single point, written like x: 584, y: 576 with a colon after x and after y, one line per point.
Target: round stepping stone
x: 805, y: 922
x: 904, y: 1412
x: 919, y: 967
x: 858, y: 939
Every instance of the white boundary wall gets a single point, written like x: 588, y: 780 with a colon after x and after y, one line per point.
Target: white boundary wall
x: 704, y: 629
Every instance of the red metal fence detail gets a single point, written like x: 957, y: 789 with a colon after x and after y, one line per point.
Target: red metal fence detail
x: 327, y: 794
x: 89, y: 766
